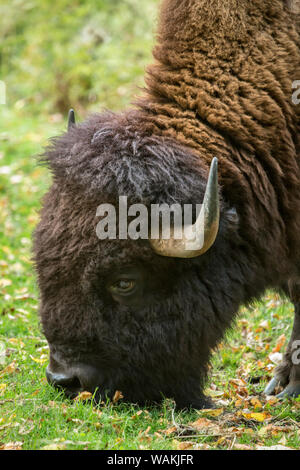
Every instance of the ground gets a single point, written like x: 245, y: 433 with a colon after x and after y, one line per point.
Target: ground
x: 32, y: 414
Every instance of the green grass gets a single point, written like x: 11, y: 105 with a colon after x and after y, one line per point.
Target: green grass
x: 32, y: 414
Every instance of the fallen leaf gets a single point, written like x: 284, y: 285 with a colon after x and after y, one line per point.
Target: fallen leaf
x: 23, y: 430
x: 185, y: 445
x: 265, y: 325
x: 201, y: 424
x: 12, y: 446
x: 54, y: 447
x: 10, y: 369
x: 16, y: 341
x: 40, y: 360
x: 147, y: 430
x: 276, y: 447
x: 242, y: 447
x: 117, y: 396
x: 170, y: 430
x: 256, y: 403
x: 276, y: 357
x: 260, y: 417
x: 83, y: 396
x: 212, y: 412
x: 272, y: 400
x: 280, y: 342
x: 215, y: 393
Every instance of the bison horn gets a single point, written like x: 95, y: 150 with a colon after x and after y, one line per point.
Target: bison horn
x: 71, y: 118
x: 203, y: 233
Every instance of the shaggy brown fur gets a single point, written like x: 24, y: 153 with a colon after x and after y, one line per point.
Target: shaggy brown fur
x: 221, y: 87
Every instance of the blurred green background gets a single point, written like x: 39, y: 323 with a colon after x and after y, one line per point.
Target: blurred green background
x: 86, y: 54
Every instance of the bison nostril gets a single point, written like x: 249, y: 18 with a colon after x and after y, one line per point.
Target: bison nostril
x: 75, y: 378
x: 68, y: 382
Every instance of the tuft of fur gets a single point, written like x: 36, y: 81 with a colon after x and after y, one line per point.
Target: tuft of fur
x: 221, y: 86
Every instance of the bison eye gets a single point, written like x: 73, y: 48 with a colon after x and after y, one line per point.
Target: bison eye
x: 126, y: 285
x: 123, y: 287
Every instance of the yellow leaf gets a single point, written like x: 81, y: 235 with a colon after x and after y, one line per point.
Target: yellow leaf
x: 16, y: 341
x: 215, y: 393
x: 260, y: 417
x: 212, y: 412
x: 40, y: 360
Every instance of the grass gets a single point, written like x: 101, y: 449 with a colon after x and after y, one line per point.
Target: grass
x: 35, y: 416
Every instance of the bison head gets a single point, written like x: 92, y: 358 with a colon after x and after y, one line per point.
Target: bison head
x: 118, y: 315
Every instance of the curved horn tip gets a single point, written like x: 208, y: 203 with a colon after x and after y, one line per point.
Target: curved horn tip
x: 214, y: 164
x: 71, y: 118
x: 210, y: 214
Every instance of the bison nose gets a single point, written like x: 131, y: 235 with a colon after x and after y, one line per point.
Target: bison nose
x: 67, y: 381
x: 74, y: 380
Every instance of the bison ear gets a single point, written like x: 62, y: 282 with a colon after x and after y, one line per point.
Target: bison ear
x: 71, y: 118
x: 293, y: 5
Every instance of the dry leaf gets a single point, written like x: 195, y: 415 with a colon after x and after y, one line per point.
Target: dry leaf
x: 170, y: 430
x: 260, y: 417
x: 117, y: 396
x: 255, y: 402
x: 16, y: 341
x: 276, y: 357
x: 239, y: 403
x: 201, y: 423
x: 276, y: 447
x: 265, y: 325
x: 185, y: 445
x: 242, y: 447
x: 272, y: 400
x: 215, y: 393
x: 280, y: 343
x: 83, y: 396
x: 54, y: 447
x: 212, y: 412
x: 12, y: 446
x: 10, y: 369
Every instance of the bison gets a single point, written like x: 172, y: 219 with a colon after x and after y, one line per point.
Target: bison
x: 143, y: 315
